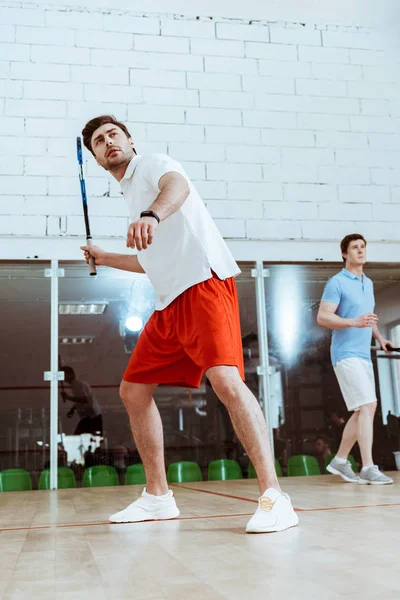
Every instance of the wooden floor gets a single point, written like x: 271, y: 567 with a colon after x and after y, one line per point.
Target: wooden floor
x: 59, y: 545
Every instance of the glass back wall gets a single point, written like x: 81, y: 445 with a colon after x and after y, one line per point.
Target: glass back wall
x: 100, y: 320
x: 306, y: 401
x: 24, y: 356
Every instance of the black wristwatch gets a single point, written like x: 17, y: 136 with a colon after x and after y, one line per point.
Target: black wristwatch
x: 150, y: 213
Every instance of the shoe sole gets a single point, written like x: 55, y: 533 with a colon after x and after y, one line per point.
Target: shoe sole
x: 363, y: 482
x: 160, y: 517
x: 294, y: 521
x: 336, y: 472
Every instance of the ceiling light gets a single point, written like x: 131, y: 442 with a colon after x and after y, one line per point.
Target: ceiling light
x: 84, y: 308
x: 134, y: 323
x: 76, y: 339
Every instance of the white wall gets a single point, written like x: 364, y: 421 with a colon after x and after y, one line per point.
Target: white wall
x: 291, y: 131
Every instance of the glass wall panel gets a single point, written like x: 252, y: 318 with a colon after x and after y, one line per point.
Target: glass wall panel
x: 306, y: 401
x: 394, y: 335
x: 100, y: 320
x: 24, y: 356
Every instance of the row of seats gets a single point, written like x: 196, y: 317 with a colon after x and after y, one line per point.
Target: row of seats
x: 308, y: 465
x: 178, y: 472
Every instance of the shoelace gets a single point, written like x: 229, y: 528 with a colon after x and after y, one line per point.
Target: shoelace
x: 266, y: 504
x: 373, y: 469
x: 375, y: 472
x: 348, y: 467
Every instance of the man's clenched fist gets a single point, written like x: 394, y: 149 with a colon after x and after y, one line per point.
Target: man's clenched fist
x: 141, y: 233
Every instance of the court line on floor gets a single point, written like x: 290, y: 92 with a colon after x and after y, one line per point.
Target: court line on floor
x: 221, y: 494
x: 186, y: 487
x: 230, y: 496
x: 194, y: 518
x: 346, y: 507
x: 100, y: 523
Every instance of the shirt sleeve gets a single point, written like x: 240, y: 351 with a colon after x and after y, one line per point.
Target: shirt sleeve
x: 158, y: 165
x: 87, y: 391
x: 332, y: 291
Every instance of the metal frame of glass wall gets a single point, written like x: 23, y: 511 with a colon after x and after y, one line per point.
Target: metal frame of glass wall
x: 54, y: 375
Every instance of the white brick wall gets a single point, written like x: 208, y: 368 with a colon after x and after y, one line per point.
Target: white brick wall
x: 289, y: 130
x: 190, y: 28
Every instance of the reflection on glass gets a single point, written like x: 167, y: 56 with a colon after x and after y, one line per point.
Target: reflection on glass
x: 134, y: 324
x: 25, y: 355
x: 94, y: 427
x: 137, y: 311
x: 287, y: 297
x: 84, y: 403
x: 307, y: 408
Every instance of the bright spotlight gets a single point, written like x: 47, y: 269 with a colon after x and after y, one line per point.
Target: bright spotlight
x: 134, y: 323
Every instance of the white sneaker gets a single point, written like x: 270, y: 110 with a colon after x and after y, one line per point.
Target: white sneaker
x: 274, y: 513
x: 148, y: 508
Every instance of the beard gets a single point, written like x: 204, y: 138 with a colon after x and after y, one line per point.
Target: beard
x: 117, y: 159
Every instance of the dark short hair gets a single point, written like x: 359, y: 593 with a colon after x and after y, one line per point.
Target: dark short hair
x: 69, y: 372
x: 352, y: 237
x: 97, y: 122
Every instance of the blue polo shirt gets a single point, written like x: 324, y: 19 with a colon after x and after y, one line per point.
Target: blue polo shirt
x: 354, y: 297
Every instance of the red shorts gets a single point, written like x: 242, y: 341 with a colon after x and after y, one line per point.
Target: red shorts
x: 198, y: 330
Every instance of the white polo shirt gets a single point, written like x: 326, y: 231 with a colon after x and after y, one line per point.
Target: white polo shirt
x: 187, y: 245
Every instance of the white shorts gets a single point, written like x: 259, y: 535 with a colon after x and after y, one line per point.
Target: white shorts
x: 357, y: 382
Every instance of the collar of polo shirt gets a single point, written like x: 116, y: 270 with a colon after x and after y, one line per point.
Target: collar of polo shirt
x: 130, y: 169
x: 351, y: 275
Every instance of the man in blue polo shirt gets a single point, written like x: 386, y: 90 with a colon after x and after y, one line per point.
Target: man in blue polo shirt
x: 347, y: 308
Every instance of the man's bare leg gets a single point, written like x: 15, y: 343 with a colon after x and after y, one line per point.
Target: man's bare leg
x: 349, y: 436
x: 366, y: 432
x: 248, y: 422
x: 147, y: 431
x: 370, y: 473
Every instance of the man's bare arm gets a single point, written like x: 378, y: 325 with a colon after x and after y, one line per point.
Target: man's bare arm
x: 76, y: 399
x: 377, y: 334
x: 327, y: 318
x: 124, y: 262
x: 386, y: 345
x: 174, y: 189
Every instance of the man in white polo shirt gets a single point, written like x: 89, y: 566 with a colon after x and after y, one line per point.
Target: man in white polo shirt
x: 346, y: 308
x: 195, y: 328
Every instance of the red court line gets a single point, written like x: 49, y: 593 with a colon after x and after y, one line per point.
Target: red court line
x: 296, y: 509
x: 230, y: 496
x: 35, y: 527
x: 100, y: 523
x: 218, y: 494
x: 344, y: 507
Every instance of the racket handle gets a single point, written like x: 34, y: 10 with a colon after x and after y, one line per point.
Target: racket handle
x: 92, y: 263
x: 92, y: 266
